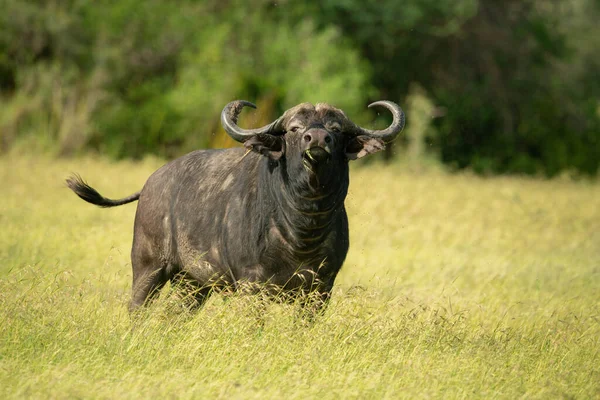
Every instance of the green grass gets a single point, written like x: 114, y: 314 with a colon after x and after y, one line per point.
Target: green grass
x: 454, y: 287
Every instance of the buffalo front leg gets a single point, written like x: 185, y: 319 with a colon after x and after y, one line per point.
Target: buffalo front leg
x: 314, y: 304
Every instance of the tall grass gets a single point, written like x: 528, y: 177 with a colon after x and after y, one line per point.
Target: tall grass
x: 454, y: 287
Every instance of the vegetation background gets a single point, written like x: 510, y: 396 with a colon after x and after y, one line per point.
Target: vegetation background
x: 510, y: 86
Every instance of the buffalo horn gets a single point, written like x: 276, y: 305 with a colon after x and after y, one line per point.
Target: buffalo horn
x: 229, y: 117
x: 392, y: 131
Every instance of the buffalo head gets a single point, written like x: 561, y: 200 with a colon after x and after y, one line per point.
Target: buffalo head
x: 315, y: 138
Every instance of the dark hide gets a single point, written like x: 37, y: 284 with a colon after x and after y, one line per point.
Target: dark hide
x: 270, y: 213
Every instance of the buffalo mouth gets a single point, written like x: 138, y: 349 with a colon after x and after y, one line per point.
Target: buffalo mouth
x: 315, y: 156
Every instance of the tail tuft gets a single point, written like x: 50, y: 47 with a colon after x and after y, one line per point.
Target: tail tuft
x: 89, y: 194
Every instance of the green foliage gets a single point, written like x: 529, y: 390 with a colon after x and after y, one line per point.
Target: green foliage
x: 514, y: 84
x: 155, y: 75
x: 519, y: 110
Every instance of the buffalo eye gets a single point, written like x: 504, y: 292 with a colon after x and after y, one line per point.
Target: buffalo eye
x: 335, y: 129
x: 294, y: 129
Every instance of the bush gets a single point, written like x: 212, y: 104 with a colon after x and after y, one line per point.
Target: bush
x: 514, y: 84
x: 128, y: 78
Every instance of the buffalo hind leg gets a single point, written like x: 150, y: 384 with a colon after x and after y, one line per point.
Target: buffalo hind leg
x: 150, y: 271
x: 146, y: 286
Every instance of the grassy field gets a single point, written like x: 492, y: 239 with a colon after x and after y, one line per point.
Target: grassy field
x: 454, y: 287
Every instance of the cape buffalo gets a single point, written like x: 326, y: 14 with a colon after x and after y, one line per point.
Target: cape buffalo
x: 271, y: 213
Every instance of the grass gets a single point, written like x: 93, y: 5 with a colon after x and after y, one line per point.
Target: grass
x: 455, y: 286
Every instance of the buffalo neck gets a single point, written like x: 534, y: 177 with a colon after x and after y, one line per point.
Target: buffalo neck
x: 303, y: 213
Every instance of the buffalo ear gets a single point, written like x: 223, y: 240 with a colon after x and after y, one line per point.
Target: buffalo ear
x: 363, y: 145
x: 268, y: 145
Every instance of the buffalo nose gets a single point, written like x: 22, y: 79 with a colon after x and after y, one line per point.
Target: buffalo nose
x: 318, y: 138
